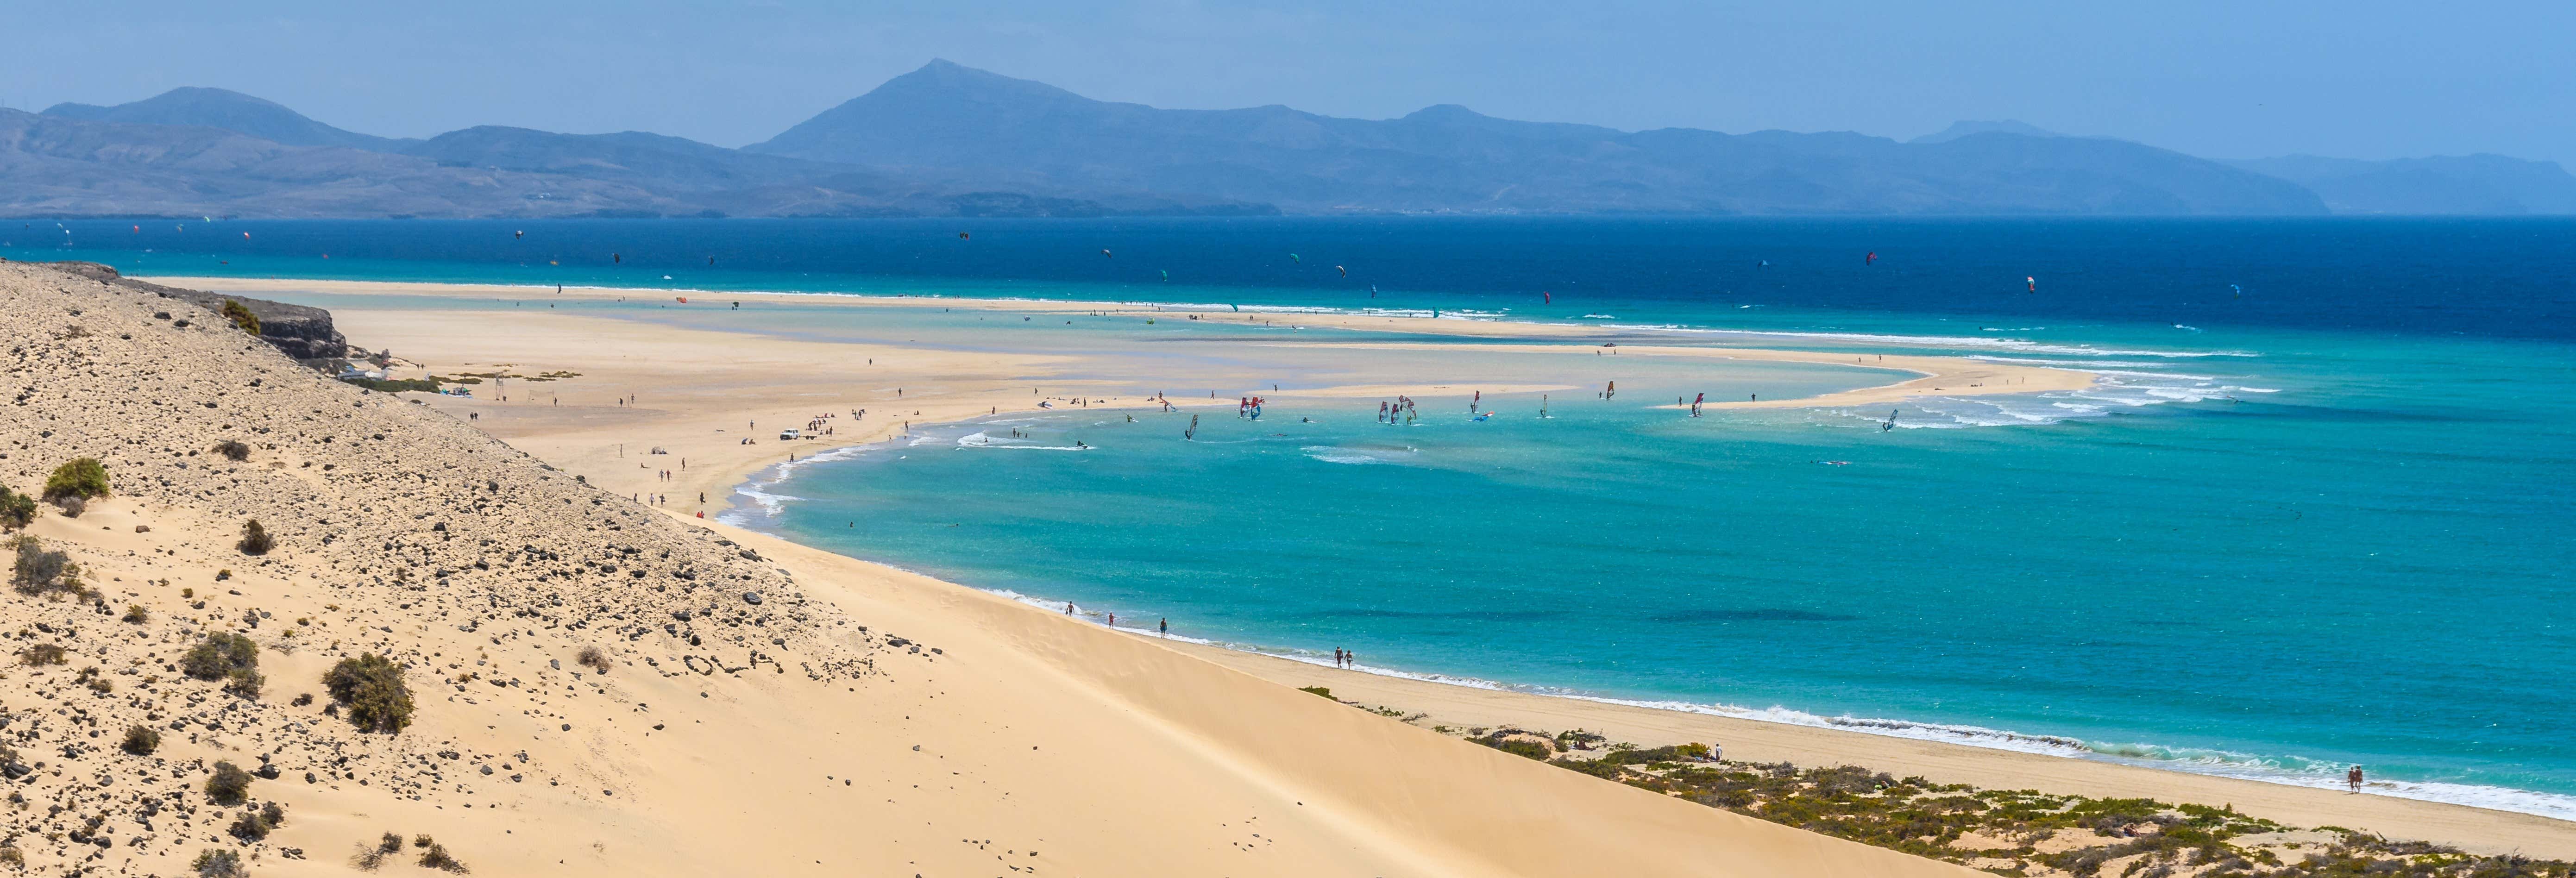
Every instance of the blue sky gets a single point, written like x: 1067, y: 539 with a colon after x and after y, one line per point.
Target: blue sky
x: 2231, y: 80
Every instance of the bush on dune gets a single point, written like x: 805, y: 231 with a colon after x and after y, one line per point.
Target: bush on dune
x: 255, y: 539
x: 372, y: 689
x: 41, y: 571
x: 16, y: 510
x: 219, y: 656
x: 84, y: 477
x: 229, y: 785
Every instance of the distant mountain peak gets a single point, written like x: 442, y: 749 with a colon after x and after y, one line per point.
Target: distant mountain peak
x: 229, y: 110
x: 1446, y: 111
x: 1965, y: 127
x: 949, y: 77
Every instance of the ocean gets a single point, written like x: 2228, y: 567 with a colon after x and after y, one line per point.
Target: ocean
x: 2319, y: 513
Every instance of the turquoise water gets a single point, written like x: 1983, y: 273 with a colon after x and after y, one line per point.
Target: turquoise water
x: 2318, y: 519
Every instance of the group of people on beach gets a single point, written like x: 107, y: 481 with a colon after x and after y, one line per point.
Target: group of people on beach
x: 1343, y: 658
x: 1162, y: 627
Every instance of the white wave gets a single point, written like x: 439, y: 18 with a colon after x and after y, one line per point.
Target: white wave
x: 1346, y: 455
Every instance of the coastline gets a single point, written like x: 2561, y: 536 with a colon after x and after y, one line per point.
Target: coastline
x: 578, y: 442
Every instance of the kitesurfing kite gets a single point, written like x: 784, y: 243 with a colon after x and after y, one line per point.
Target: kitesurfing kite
x: 1104, y: 251
x: 2240, y: 291
x: 1292, y: 257
x: 518, y: 234
x: 1871, y: 259
x: 1547, y: 297
x: 1345, y: 272
x: 961, y: 236
x: 618, y: 258
x: 2034, y: 283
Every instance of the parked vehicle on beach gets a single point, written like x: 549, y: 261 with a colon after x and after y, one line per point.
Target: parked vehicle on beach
x: 791, y: 433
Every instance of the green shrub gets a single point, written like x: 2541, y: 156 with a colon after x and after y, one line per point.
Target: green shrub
x: 38, y: 570
x: 218, y: 863
x: 43, y: 654
x: 219, y: 655
x: 229, y: 785
x: 395, y: 385
x: 372, y: 689
x: 135, y: 613
x: 240, y: 315
x: 244, y: 682
x: 16, y: 510
x: 1318, y: 690
x: 1674, y: 753
x: 84, y: 477
x: 233, y: 450
x: 141, y: 740
x: 255, y: 539
x: 248, y: 827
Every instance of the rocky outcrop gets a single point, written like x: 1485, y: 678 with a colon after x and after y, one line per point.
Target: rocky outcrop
x: 304, y: 333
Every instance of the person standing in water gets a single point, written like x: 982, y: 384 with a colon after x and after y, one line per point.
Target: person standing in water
x: 1164, y: 627
x: 2353, y: 779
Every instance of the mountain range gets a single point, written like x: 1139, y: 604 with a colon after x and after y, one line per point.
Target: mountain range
x: 947, y: 140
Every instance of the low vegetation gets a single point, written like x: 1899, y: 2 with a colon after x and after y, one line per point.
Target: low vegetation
x: 435, y: 856
x: 36, y: 571
x: 84, y: 478
x: 16, y: 510
x: 370, y: 688
x: 43, y: 654
x: 593, y: 659
x: 368, y: 859
x: 241, y: 317
x: 395, y: 385
x: 229, y: 657
x: 218, y: 863
x: 2023, y: 832
x: 229, y: 785
x: 255, y: 539
x: 233, y: 450
x: 254, y: 825
x: 141, y: 740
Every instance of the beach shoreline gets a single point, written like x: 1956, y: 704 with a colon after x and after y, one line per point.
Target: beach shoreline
x: 581, y: 443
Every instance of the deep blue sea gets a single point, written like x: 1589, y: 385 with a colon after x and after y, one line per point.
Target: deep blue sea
x: 2320, y: 511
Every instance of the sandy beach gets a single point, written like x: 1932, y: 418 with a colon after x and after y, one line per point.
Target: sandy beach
x: 697, y: 381
x: 895, y: 724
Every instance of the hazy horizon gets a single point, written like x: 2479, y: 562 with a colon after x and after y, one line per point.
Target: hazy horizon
x: 2371, y: 81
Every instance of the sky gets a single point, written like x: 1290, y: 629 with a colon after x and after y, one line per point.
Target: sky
x: 2359, y: 79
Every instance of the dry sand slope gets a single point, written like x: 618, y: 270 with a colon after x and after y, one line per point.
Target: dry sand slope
x: 853, y: 721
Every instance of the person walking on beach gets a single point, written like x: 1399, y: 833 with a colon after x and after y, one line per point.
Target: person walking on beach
x: 1337, y: 656
x: 2353, y: 779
